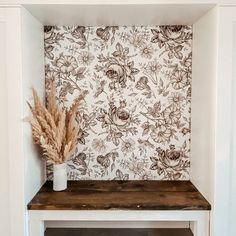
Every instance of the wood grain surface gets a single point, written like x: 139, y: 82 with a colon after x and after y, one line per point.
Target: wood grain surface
x: 126, y: 195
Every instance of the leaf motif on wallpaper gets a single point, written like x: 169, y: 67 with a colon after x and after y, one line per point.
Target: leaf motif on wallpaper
x: 89, y: 120
x: 119, y: 49
x: 187, y: 61
x: 184, y: 145
x: 146, y: 128
x: 177, y: 51
x: 138, y: 86
x: 106, y: 160
x: 155, y: 38
x: 53, y: 38
x: 78, y: 33
x: 121, y: 176
x: 154, y: 165
x: 142, y: 84
x: 100, y: 88
x: 79, y: 73
x: 100, y: 102
x: 82, y: 135
x: 79, y: 163
x: 146, y: 143
x: 80, y: 159
x: 133, y: 94
x: 71, y: 166
x: 101, y: 58
x: 104, y: 34
x: 155, y: 110
x: 71, y: 40
x: 113, y: 29
x: 115, y: 138
x: 48, y: 52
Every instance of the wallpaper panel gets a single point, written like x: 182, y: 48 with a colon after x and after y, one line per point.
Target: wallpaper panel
x: 135, y: 123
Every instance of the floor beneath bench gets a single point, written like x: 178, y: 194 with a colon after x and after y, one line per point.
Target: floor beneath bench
x: 118, y: 232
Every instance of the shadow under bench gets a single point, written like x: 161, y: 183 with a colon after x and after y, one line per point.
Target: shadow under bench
x: 120, y: 201
x: 118, y: 232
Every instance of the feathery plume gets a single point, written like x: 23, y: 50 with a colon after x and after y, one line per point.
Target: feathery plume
x: 55, y: 129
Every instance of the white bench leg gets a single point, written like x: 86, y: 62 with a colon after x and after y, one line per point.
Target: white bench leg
x: 200, y: 227
x: 36, y: 227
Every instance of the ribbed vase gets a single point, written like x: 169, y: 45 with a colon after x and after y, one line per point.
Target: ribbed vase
x: 59, y: 177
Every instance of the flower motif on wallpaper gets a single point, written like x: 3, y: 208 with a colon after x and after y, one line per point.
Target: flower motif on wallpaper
x: 172, y: 39
x: 117, y: 122
x: 135, y: 123
x: 179, y: 79
x: 170, y: 162
x: 128, y: 146
x: 161, y: 134
x: 66, y: 64
x: 99, y: 145
x: 85, y: 58
x: 175, y: 99
x: 118, y: 67
x: 147, y: 51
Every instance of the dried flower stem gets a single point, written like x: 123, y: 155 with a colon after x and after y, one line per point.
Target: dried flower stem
x: 55, y: 129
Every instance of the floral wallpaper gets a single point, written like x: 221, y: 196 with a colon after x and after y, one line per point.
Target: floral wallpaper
x: 135, y: 121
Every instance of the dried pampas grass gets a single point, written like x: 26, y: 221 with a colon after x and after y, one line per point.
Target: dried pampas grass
x: 54, y: 129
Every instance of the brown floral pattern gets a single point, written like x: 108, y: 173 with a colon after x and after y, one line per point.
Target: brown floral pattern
x: 135, y: 123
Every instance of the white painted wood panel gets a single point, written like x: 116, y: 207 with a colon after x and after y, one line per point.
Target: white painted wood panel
x: 14, y: 105
x: 11, y: 91
x: 33, y: 76
x: 38, y: 218
x: 4, y: 167
x: 232, y: 210
x: 119, y: 14
x: 225, y: 210
x: 205, y: 46
x: 7, y: 2
x: 22, y: 66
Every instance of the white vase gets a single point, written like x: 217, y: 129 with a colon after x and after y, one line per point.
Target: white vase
x: 59, y: 177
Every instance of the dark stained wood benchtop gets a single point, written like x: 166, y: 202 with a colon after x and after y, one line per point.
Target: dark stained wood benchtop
x: 120, y: 195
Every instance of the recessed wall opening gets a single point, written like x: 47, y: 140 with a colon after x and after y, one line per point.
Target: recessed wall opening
x: 121, y: 84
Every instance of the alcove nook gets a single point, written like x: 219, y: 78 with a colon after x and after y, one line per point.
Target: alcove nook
x: 179, y: 42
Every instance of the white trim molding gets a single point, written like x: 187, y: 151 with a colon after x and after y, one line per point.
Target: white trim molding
x: 37, y: 218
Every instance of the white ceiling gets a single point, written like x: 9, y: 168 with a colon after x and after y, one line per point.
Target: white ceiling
x: 118, y: 14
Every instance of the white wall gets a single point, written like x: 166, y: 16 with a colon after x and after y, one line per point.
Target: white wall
x: 7, y: 2
x: 33, y: 76
x: 204, y: 87
x: 203, y: 102
x: 205, y: 62
x: 21, y: 66
x: 225, y: 134
x: 14, y: 118
x: 232, y: 200
x: 225, y: 200
x: 4, y: 167
x: 215, y: 177
x: 232, y: 192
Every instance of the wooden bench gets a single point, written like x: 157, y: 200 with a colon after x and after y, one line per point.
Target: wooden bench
x: 120, y: 201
